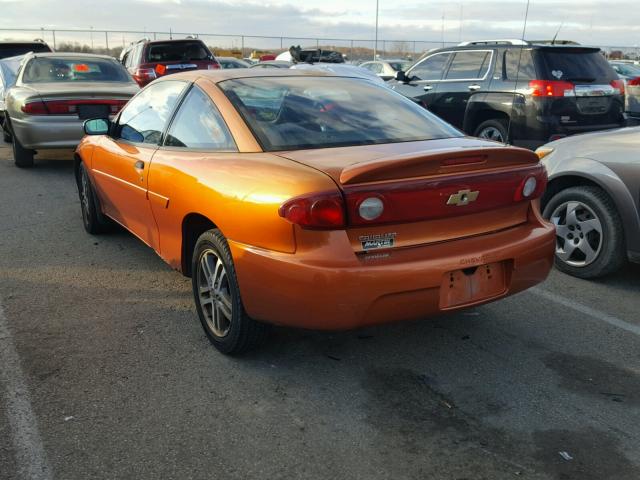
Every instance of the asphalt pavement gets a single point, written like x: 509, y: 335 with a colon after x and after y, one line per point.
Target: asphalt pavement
x: 106, y: 373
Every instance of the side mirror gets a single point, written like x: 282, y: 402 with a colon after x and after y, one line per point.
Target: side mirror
x: 97, y: 126
x: 401, y: 76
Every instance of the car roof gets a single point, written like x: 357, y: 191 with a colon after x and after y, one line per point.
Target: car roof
x: 230, y: 74
x: 68, y: 55
x: 176, y: 40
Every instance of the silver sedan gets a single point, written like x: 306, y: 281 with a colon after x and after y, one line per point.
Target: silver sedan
x: 592, y: 197
x: 55, y: 92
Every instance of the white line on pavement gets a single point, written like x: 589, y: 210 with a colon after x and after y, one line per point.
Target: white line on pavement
x: 592, y: 312
x: 30, y: 455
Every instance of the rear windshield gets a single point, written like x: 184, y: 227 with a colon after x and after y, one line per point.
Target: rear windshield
x: 51, y: 69
x: 576, y: 65
x: 289, y: 113
x: 14, y: 49
x: 397, y: 66
x: 177, y: 52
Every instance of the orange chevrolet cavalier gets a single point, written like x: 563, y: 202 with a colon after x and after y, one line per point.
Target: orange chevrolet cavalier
x: 313, y: 200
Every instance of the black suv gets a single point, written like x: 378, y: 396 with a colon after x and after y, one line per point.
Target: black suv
x: 525, y: 93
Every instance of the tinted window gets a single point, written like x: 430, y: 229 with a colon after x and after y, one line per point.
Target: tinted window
x: 177, y: 52
x: 313, y: 112
x: 576, y: 65
x: 469, y: 65
x: 14, y: 49
x: 519, y: 65
x: 143, y: 119
x: 198, y: 124
x: 431, y: 68
x: 74, y: 69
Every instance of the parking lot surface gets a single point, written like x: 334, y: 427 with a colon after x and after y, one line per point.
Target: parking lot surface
x: 106, y: 372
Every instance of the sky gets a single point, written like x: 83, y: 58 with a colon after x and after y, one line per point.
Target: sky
x: 599, y: 22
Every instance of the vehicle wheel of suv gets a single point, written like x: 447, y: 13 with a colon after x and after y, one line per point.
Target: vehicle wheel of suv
x: 6, y: 136
x: 217, y: 297
x: 495, y: 130
x: 23, y: 157
x: 589, y: 234
x: 92, y: 218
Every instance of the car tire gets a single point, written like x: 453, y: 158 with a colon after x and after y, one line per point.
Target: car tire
x: 93, y: 220
x: 23, y: 157
x: 592, y: 249
x: 6, y: 136
x: 496, y: 130
x: 217, y: 297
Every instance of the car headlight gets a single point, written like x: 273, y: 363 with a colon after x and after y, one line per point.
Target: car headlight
x: 543, y: 152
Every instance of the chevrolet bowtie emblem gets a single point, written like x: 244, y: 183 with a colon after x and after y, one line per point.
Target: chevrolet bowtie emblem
x: 463, y: 197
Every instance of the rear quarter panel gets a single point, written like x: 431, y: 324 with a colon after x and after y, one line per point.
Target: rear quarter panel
x: 238, y: 192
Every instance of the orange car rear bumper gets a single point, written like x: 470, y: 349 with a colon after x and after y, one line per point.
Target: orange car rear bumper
x: 302, y: 290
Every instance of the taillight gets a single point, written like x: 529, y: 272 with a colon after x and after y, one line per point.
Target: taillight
x: 618, y: 85
x: 320, y: 211
x: 144, y: 75
x: 532, y: 186
x: 213, y: 66
x: 551, y: 88
x: 441, y: 197
x: 35, y: 107
x: 68, y: 107
x: 634, y: 82
x: 160, y: 69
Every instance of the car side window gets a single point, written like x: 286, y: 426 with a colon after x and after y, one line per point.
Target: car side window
x: 377, y: 68
x: 469, y: 65
x: 198, y: 124
x: 522, y: 60
x: 431, y: 68
x: 144, y: 118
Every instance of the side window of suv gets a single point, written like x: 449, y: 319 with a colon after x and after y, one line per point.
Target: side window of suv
x: 198, y: 124
x: 431, y: 68
x: 469, y: 65
x: 518, y: 59
x: 143, y: 119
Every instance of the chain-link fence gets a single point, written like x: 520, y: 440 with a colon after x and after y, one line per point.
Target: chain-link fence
x: 113, y: 41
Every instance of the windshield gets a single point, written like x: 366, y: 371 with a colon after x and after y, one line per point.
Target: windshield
x: 74, y: 69
x: 15, y: 49
x: 177, y: 52
x: 576, y: 65
x: 289, y: 113
x: 626, y: 70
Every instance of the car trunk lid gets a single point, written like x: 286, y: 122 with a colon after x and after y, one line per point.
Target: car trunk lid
x: 431, y: 191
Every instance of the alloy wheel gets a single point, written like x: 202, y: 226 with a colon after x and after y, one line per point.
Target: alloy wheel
x: 214, y: 293
x: 578, y: 233
x: 491, y: 133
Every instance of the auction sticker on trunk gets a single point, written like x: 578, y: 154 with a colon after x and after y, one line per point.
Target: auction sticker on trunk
x: 374, y: 242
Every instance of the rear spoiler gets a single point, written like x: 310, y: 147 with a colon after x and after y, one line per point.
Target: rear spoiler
x: 437, y: 162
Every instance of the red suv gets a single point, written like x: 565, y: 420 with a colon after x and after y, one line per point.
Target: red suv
x: 147, y: 60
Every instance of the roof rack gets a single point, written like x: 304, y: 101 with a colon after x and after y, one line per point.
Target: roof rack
x: 507, y: 41
x: 554, y: 42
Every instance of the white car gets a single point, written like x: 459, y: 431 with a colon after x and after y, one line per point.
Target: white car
x: 386, y: 69
x: 340, y: 69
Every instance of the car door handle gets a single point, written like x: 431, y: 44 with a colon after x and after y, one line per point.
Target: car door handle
x: 139, y: 165
x: 427, y: 88
x: 474, y: 87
